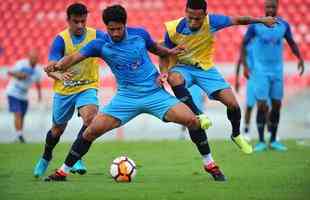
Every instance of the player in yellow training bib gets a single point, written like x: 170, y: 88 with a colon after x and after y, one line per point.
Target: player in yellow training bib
x: 75, y: 88
x: 195, y: 32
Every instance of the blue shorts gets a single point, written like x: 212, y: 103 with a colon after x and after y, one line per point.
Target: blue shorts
x: 268, y: 87
x: 125, y: 108
x: 64, y: 105
x: 250, y: 93
x: 17, y: 105
x: 209, y: 80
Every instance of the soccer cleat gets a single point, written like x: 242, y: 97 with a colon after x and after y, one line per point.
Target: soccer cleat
x: 21, y: 139
x: 261, y: 146
x: 242, y: 144
x: 278, y: 146
x: 79, y: 168
x: 40, y: 168
x: 57, y: 176
x: 205, y: 122
x: 215, y: 172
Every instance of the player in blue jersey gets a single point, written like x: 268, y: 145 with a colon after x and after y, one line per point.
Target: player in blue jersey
x: 267, y: 72
x: 125, y: 50
x: 24, y: 74
x: 75, y: 88
x: 195, y: 66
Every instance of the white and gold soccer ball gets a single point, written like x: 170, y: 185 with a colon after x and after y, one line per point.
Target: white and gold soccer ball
x: 123, y: 169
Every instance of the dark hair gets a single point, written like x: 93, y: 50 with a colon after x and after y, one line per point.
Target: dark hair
x: 197, y: 4
x: 76, y: 9
x: 115, y: 13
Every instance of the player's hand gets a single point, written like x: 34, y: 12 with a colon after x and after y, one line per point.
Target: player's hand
x: 162, y: 78
x: 66, y: 76
x: 301, y: 67
x: 177, y: 50
x: 268, y: 21
x: 246, y: 72
x: 50, y: 68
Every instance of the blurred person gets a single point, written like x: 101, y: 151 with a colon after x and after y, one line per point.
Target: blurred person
x: 73, y: 89
x: 24, y: 74
x: 195, y: 66
x: 125, y: 49
x: 267, y: 72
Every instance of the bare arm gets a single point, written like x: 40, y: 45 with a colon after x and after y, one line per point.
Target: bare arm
x: 38, y: 86
x: 245, y: 20
x: 18, y: 75
x: 65, y: 63
x: 293, y: 46
x: 163, y: 51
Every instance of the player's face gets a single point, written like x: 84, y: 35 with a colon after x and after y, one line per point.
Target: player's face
x: 195, y: 18
x: 77, y: 24
x: 116, y: 30
x: 271, y: 8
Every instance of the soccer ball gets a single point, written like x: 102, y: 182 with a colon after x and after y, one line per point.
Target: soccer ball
x: 123, y: 169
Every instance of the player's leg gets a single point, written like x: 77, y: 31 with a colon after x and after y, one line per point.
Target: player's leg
x: 19, y: 109
x: 63, y: 109
x: 178, y: 85
x: 212, y: 82
x: 101, y: 124
x: 168, y: 108
x: 120, y: 110
x: 227, y: 97
x: 262, y: 89
x: 276, y: 95
x: 87, y: 104
x: 250, y: 103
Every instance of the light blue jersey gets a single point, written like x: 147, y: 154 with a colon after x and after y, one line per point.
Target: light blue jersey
x: 129, y: 61
x: 267, y: 49
x: 135, y: 74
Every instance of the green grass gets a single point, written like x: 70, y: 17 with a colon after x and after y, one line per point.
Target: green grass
x: 165, y: 170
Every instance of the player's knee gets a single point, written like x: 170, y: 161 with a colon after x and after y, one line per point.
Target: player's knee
x: 88, y: 118
x: 57, y: 131
x: 192, y: 122
x: 175, y: 79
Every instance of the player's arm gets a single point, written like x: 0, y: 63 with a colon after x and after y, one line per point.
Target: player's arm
x: 92, y: 49
x: 18, y: 75
x: 245, y: 20
x: 38, y: 87
x: 162, y: 51
x: 294, y: 47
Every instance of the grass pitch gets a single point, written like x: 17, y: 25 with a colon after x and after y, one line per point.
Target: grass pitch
x: 165, y: 170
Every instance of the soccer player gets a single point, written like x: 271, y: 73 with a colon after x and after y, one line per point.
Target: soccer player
x: 75, y: 88
x: 195, y: 66
x: 125, y: 50
x: 268, y: 71
x: 24, y: 74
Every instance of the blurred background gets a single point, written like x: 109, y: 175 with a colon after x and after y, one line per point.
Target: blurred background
x: 27, y: 24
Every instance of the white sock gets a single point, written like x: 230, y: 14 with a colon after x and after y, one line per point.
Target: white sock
x: 66, y: 169
x: 19, y: 133
x: 207, y: 159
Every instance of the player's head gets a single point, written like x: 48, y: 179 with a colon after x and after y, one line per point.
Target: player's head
x: 196, y: 11
x: 76, y: 17
x: 33, y: 57
x: 115, y: 19
x: 271, y: 8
